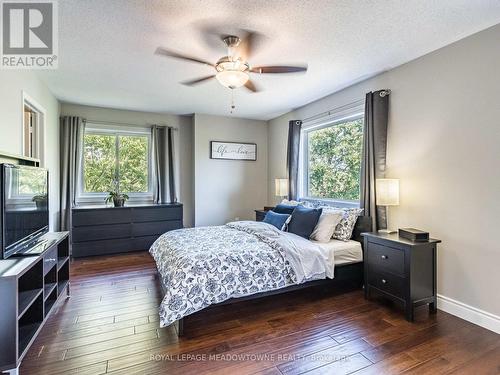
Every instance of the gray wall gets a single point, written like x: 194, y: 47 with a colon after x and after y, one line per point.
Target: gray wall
x: 228, y: 189
x: 444, y: 146
x: 182, y: 143
x: 12, y: 85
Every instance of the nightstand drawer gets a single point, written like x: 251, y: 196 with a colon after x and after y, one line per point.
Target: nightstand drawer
x: 388, y: 258
x: 387, y: 282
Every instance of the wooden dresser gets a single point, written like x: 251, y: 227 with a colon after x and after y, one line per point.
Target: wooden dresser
x: 400, y: 269
x: 109, y: 230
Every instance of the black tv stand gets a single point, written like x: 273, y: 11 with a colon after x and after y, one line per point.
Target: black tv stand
x: 30, y: 286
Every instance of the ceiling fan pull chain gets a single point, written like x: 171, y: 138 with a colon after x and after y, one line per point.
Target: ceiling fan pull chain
x: 232, y: 102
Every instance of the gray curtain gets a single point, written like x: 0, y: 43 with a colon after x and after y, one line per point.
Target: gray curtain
x: 292, y: 157
x: 163, y: 164
x: 374, y: 154
x: 71, y: 141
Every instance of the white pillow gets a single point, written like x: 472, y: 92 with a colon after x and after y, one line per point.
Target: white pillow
x: 291, y: 203
x: 327, y: 223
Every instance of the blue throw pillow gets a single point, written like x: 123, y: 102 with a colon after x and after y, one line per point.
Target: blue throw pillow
x: 304, y: 221
x: 284, y: 209
x: 278, y: 220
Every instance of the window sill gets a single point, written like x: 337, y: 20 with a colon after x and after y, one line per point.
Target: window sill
x: 101, y: 206
x: 98, y: 199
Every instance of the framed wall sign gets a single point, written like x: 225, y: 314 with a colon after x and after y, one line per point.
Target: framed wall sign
x: 233, y: 150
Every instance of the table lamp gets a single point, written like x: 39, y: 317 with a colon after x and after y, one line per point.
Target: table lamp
x: 387, y: 195
x: 281, y: 187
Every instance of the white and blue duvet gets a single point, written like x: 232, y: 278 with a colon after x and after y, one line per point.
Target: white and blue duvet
x: 208, y: 265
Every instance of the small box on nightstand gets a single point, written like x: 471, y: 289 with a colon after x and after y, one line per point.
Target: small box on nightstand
x: 413, y: 234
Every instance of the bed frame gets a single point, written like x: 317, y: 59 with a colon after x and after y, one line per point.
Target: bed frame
x: 345, y: 275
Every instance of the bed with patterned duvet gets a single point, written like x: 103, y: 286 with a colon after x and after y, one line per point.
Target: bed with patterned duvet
x: 203, y: 266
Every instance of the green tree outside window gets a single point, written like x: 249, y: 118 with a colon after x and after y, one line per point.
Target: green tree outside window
x: 334, y: 161
x: 110, y: 157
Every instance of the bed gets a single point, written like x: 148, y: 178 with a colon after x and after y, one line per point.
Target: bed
x: 206, y: 266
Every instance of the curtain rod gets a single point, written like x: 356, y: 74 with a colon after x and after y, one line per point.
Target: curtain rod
x: 382, y: 93
x: 334, y: 110
x: 126, y: 124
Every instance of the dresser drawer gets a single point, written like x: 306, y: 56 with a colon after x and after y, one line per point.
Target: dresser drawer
x: 49, y: 260
x: 101, y: 216
x: 155, y: 228
x: 388, y: 258
x: 387, y: 282
x: 140, y: 215
x: 101, y: 232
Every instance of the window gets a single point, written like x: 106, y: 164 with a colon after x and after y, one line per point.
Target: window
x: 332, y: 159
x: 115, y: 158
x: 30, y: 132
x: 33, y: 125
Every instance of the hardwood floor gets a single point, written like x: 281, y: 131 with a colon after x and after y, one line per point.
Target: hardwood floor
x: 110, y: 325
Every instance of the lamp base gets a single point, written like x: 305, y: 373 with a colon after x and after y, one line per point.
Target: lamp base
x: 387, y: 231
x: 281, y: 198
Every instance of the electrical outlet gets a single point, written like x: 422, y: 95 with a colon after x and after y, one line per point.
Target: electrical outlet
x: 236, y: 218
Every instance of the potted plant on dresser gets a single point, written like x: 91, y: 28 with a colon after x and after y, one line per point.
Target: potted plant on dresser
x: 116, y: 197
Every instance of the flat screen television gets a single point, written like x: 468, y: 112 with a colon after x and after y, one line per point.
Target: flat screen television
x: 24, y: 207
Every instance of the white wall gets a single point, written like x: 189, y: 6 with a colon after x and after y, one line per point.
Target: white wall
x: 227, y: 189
x: 444, y: 145
x: 182, y: 142
x: 12, y: 85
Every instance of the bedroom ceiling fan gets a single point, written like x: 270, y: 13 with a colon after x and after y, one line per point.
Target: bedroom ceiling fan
x: 233, y: 71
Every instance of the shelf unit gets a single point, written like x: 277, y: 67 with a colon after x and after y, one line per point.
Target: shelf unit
x: 30, y: 286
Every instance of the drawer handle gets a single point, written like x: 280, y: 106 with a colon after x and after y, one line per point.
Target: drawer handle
x: 50, y: 260
x: 384, y: 256
x: 384, y: 281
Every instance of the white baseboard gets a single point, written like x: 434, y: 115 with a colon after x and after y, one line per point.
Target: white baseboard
x: 469, y: 313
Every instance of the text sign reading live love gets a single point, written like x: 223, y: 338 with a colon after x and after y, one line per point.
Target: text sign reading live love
x: 29, y: 34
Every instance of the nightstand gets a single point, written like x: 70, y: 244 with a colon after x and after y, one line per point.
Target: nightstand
x: 260, y: 214
x: 400, y: 269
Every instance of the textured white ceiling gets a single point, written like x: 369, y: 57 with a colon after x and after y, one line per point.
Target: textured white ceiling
x: 106, y: 48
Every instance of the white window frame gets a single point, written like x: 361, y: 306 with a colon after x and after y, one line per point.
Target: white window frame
x: 352, y: 112
x: 39, y: 128
x: 83, y: 197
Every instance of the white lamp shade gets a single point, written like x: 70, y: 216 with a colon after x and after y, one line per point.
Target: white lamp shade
x: 387, y: 191
x: 281, y: 187
x: 232, y: 79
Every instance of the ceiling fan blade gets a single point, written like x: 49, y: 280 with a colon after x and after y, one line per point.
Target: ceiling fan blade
x: 165, y: 52
x: 249, y: 44
x: 251, y: 86
x: 278, y: 69
x: 197, y: 81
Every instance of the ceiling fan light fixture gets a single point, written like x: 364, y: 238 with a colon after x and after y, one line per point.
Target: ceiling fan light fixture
x: 232, y: 79
x: 232, y: 71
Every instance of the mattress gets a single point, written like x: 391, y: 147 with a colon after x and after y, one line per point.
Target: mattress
x: 342, y: 252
